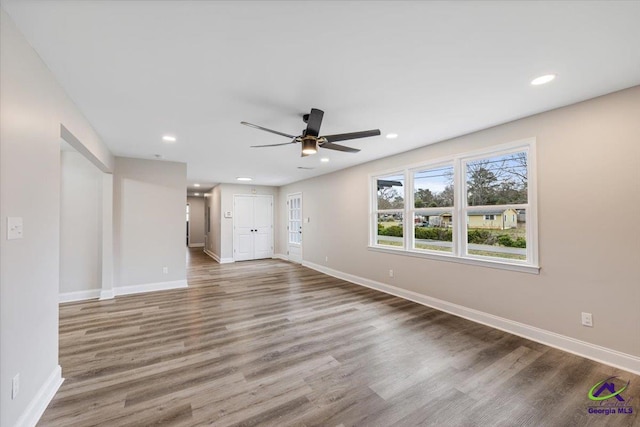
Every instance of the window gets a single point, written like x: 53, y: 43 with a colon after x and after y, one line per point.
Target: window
x: 476, y: 208
x: 388, y: 212
x: 433, y: 202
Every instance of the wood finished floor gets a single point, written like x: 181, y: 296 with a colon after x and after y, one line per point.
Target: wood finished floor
x: 275, y: 344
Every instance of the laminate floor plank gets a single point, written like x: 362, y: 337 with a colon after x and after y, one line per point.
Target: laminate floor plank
x: 271, y: 343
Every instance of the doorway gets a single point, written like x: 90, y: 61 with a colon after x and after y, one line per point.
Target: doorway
x: 294, y: 227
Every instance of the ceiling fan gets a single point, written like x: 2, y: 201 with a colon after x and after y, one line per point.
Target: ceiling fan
x: 311, y: 138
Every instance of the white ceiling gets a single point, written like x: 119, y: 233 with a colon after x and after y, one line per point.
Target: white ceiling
x: 425, y: 70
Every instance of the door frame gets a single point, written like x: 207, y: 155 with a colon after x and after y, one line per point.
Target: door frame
x: 233, y: 227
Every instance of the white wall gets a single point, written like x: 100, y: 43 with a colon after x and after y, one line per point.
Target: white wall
x: 196, y: 221
x: 212, y: 237
x: 149, y: 222
x: 80, y: 224
x: 32, y: 107
x: 588, y: 157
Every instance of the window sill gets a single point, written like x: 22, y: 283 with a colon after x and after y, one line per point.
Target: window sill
x: 501, y: 265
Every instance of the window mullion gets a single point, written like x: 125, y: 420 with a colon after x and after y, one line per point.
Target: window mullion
x: 459, y: 230
x: 408, y: 210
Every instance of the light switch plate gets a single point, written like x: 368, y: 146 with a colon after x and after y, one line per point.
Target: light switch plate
x: 228, y: 214
x: 14, y: 227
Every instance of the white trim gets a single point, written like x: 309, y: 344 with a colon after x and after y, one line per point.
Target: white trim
x: 107, y: 294
x: 218, y: 259
x: 594, y: 352
x: 196, y: 245
x: 41, y: 400
x: 79, y: 295
x: 149, y: 287
x: 280, y: 256
x: 489, y: 263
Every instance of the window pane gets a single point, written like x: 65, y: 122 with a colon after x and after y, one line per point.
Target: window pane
x: 433, y: 230
x: 391, y: 192
x: 497, y: 180
x: 505, y: 236
x: 433, y: 187
x: 390, y: 230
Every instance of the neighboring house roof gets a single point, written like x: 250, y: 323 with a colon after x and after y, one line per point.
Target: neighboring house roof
x: 490, y: 212
x: 436, y: 212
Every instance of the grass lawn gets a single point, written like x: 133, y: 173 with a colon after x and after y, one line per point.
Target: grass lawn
x: 432, y: 247
x: 497, y: 254
x: 389, y: 242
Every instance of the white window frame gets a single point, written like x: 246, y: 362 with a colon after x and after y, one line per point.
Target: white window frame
x: 373, y: 218
x: 460, y: 210
x: 413, y: 210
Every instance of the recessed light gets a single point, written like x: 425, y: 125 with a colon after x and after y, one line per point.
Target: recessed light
x: 244, y: 178
x: 169, y: 138
x: 196, y: 194
x: 543, y: 79
x: 324, y: 159
x: 392, y: 135
x: 196, y: 185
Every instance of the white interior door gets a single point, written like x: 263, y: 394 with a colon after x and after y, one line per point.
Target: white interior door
x: 263, y: 226
x: 253, y: 227
x: 243, y: 228
x: 294, y: 227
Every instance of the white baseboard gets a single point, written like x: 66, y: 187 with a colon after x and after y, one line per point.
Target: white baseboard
x: 594, y: 352
x: 107, y: 294
x: 196, y: 245
x: 149, y: 287
x: 79, y: 295
x: 218, y: 259
x: 280, y: 256
x: 41, y: 400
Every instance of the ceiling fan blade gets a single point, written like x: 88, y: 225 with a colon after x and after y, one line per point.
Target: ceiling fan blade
x: 352, y: 135
x: 314, y: 122
x: 273, y: 145
x: 337, y: 147
x: 267, y: 130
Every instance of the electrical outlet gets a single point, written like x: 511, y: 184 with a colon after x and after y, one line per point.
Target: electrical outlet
x: 165, y: 270
x: 587, y: 319
x: 15, y: 386
x: 390, y: 273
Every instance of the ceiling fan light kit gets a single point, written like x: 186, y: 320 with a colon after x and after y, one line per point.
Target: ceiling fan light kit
x: 309, y: 146
x: 311, y: 140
